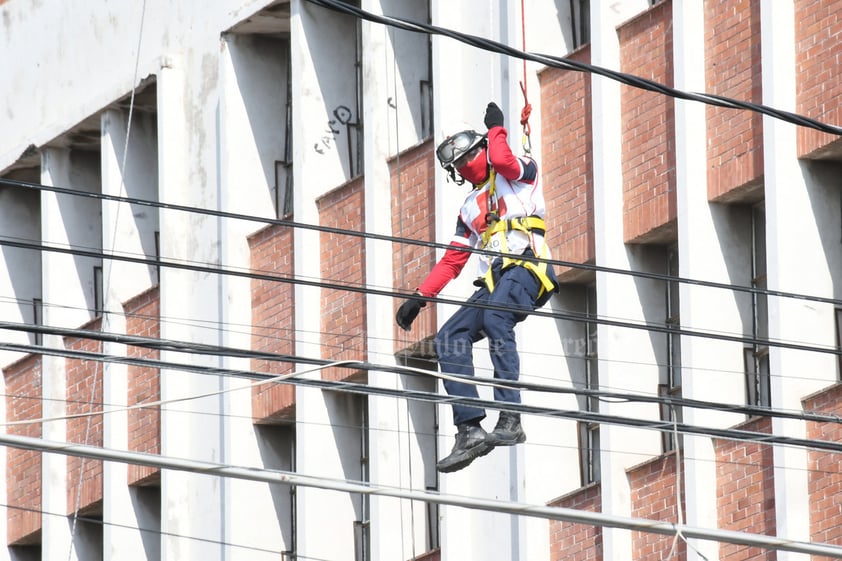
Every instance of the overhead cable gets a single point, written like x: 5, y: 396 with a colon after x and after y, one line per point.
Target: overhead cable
x: 163, y: 262
x: 577, y: 66
x: 158, y: 532
x: 362, y: 488
x: 216, y: 350
x: 412, y: 241
x: 364, y: 389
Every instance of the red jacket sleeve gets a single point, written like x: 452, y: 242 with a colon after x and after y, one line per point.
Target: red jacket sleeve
x: 447, y: 269
x: 504, y: 161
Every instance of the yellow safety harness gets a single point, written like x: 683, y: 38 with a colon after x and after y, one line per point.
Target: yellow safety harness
x: 525, y: 224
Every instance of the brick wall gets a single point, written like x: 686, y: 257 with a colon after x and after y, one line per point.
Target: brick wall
x: 343, y: 262
x: 818, y: 50
x: 273, y: 320
x: 732, y: 69
x: 434, y: 555
x: 23, y: 467
x: 745, y: 492
x: 824, y: 482
x: 143, y: 318
x: 84, y: 396
x: 653, y: 496
x: 577, y: 542
x: 567, y: 169
x: 413, y: 216
x: 648, y: 129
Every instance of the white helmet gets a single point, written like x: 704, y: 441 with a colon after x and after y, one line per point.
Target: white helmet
x: 455, y: 146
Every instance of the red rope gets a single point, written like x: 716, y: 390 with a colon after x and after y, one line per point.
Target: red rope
x: 526, y: 111
x: 527, y: 107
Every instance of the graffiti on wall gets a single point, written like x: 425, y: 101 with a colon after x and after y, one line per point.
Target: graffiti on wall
x: 342, y: 117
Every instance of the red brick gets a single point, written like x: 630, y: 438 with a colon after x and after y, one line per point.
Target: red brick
x: 648, y: 129
x: 818, y: 85
x: 577, y: 542
x: 413, y: 216
x: 733, y: 69
x: 23, y: 467
x: 144, y: 384
x: 567, y: 169
x: 273, y: 319
x: 84, y: 397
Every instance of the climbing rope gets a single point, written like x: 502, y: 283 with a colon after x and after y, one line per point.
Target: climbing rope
x: 524, y: 120
x: 527, y: 107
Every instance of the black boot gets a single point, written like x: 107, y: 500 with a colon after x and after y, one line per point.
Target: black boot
x: 470, y: 445
x: 508, y: 431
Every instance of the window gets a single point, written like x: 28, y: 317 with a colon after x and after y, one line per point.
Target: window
x: 98, y: 295
x: 38, y: 319
x: 758, y: 391
x: 277, y: 443
x: 427, y: 87
x: 838, y: 315
x: 158, y: 257
x: 282, y: 190
x: 670, y: 385
x: 362, y: 527
x: 283, y: 168
x: 589, y: 450
x: 419, y: 443
x: 580, y: 11
x: 355, y: 127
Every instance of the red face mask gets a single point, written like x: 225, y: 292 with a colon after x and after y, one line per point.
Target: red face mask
x: 476, y: 170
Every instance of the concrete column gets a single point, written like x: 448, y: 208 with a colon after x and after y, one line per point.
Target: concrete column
x: 706, y: 243
x: 627, y: 359
x: 68, y: 288
x: 253, y: 73
x: 387, y: 416
x: 795, y: 262
x: 464, y: 533
x: 192, y: 512
x: 126, y: 229
x: 323, y: 48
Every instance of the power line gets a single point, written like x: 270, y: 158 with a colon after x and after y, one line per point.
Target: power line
x: 216, y: 350
x: 141, y: 530
x: 411, y: 241
x: 292, y: 279
x: 508, y: 507
x: 364, y: 389
x: 568, y: 64
x: 289, y: 339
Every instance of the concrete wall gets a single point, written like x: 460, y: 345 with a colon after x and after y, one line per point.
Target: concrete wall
x: 214, y: 127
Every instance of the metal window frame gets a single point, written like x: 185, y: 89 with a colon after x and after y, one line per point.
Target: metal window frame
x: 756, y: 356
x: 588, y: 432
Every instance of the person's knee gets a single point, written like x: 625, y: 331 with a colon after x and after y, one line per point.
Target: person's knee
x: 496, y: 324
x: 447, y: 344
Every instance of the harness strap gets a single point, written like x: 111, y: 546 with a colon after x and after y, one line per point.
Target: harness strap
x: 527, y: 225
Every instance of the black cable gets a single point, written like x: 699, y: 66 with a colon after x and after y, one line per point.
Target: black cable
x: 365, y: 389
x: 411, y: 241
x: 224, y: 351
x: 568, y: 64
x: 158, y: 532
x: 576, y: 317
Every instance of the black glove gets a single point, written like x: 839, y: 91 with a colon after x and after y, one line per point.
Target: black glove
x: 493, y: 116
x: 408, y: 312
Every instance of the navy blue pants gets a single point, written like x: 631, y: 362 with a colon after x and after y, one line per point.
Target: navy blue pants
x: 516, y: 290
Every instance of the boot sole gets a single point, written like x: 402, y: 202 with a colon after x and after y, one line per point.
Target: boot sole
x: 470, y: 456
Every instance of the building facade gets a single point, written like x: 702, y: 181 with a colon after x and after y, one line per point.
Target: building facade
x: 252, y: 184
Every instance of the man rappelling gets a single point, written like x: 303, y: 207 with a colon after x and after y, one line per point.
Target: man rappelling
x: 504, y: 216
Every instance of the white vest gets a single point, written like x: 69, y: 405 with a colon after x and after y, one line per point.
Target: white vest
x: 514, y: 199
